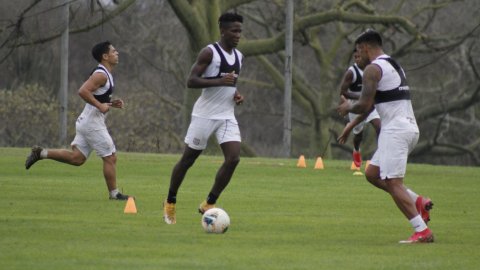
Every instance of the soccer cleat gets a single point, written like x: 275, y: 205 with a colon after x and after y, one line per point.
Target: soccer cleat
x: 357, y: 159
x: 121, y: 197
x: 424, y: 205
x: 425, y: 236
x: 33, y: 157
x: 204, y: 206
x: 169, y: 213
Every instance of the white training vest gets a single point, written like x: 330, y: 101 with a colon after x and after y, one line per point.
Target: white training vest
x: 354, y: 79
x: 91, y: 118
x: 217, y: 102
x: 396, y: 116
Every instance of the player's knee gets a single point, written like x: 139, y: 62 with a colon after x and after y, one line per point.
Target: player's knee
x: 232, y: 161
x: 78, y: 161
x: 371, y: 175
x: 187, y: 162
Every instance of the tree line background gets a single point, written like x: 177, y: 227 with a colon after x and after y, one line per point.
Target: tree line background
x: 435, y: 41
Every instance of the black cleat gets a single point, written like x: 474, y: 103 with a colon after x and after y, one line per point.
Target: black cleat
x: 121, y: 197
x: 33, y: 157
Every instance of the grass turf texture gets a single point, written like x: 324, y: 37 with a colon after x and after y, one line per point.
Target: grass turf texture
x: 56, y: 216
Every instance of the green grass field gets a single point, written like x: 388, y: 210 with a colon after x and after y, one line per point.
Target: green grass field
x: 56, y: 216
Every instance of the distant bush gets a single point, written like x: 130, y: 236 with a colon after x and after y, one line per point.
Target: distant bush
x: 30, y: 115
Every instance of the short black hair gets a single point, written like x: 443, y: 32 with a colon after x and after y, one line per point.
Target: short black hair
x: 100, y: 49
x: 355, y: 49
x: 371, y: 37
x: 227, y: 18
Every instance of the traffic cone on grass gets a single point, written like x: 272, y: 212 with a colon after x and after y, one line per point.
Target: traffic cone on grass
x: 319, y: 164
x: 301, y: 162
x: 354, y: 168
x: 130, y: 207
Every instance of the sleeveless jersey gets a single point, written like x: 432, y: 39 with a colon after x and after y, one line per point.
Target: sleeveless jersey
x: 217, y: 102
x: 356, y: 85
x: 91, y: 118
x: 392, y: 99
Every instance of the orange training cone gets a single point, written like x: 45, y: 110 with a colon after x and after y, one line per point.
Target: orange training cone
x: 130, y: 208
x: 319, y: 164
x: 354, y: 168
x: 301, y: 162
x: 366, y: 165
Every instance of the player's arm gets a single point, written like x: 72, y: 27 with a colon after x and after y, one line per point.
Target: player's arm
x: 346, y: 132
x: 96, y: 81
x: 195, y: 79
x: 238, y: 97
x: 371, y: 76
x: 347, y: 80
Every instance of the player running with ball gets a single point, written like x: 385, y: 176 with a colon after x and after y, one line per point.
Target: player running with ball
x: 215, y: 72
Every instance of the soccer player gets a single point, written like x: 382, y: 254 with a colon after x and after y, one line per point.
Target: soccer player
x: 215, y: 72
x: 92, y: 133
x: 350, y: 89
x: 385, y: 85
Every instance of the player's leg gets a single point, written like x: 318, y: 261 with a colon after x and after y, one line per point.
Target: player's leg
x: 195, y: 141
x: 189, y: 157
x: 357, y: 139
x: 228, y: 136
x: 376, y: 123
x: 373, y: 176
x: 102, y: 143
x: 76, y: 157
x: 231, y: 152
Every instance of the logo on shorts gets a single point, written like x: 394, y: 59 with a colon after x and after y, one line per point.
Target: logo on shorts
x: 196, y: 141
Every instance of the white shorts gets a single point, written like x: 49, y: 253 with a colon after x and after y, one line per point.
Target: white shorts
x: 392, y: 153
x: 98, y: 140
x: 200, y: 130
x: 358, y: 128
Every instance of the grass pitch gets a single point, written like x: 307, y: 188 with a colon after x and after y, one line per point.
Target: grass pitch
x: 56, y: 216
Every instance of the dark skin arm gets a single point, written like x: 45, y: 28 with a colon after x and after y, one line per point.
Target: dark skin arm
x: 371, y: 75
x: 347, y: 80
x: 195, y: 79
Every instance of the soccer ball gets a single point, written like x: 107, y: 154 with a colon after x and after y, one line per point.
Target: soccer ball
x: 215, y: 220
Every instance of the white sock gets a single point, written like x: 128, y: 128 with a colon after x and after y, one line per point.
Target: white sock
x: 413, y: 195
x: 356, y: 150
x: 418, y: 223
x: 44, y: 154
x: 113, y: 193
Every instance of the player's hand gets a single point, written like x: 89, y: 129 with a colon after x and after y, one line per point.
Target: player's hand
x: 104, y: 107
x: 228, y: 79
x: 344, y: 137
x: 117, y: 103
x: 238, y: 99
x: 342, y: 109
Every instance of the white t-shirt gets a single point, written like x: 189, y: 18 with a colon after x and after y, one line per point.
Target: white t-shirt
x: 396, y: 116
x: 217, y: 102
x: 91, y: 118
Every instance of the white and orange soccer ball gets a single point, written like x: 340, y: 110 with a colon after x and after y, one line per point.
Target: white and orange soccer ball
x: 215, y: 220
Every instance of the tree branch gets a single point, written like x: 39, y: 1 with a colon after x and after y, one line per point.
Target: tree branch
x: 110, y: 16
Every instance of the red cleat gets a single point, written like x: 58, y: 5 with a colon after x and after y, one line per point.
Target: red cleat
x: 357, y: 159
x: 425, y: 236
x: 424, y: 205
